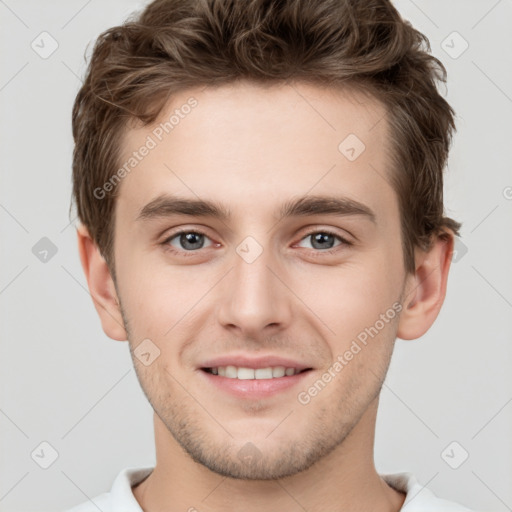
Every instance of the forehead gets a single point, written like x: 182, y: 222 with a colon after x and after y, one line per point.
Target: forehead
x: 244, y: 142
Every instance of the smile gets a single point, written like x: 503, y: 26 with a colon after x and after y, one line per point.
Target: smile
x: 243, y: 373
x: 253, y: 383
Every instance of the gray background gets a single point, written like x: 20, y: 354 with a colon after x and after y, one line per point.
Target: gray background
x: 65, y: 383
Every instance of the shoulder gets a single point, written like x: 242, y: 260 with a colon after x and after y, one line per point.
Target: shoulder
x: 419, y: 498
x: 120, y: 497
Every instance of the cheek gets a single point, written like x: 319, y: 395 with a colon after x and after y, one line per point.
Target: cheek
x: 168, y: 306
x: 150, y: 303
x: 352, y: 297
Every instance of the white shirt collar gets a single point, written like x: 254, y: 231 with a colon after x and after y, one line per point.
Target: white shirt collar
x: 121, y: 498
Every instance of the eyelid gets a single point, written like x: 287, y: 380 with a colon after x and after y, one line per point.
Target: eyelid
x: 344, y: 241
x: 328, y: 230
x: 181, y: 231
x: 171, y: 233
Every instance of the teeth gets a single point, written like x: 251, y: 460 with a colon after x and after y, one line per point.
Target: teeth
x: 231, y: 372
x: 243, y: 373
x: 278, y: 371
x: 234, y: 372
x: 261, y: 373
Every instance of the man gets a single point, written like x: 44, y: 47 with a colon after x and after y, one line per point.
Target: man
x: 260, y: 190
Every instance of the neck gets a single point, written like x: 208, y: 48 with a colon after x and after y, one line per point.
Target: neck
x: 345, y: 479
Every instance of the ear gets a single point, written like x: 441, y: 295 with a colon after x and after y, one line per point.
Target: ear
x: 101, y: 286
x: 425, y: 290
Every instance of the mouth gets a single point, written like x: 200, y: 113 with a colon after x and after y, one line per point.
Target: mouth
x: 244, y: 373
x: 253, y: 383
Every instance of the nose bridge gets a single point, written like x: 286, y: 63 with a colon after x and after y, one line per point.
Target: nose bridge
x: 254, y: 297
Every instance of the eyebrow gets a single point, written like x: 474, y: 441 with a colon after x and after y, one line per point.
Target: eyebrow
x: 166, y: 205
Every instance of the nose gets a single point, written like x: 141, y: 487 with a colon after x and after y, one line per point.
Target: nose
x: 254, y: 299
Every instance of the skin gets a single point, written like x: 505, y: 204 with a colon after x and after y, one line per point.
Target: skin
x: 251, y: 149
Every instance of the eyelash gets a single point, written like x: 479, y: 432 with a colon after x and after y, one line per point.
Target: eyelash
x: 316, y: 252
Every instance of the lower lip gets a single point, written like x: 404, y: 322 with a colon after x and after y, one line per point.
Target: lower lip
x: 254, y: 388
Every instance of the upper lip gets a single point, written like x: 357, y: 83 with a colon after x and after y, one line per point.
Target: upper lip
x: 247, y: 361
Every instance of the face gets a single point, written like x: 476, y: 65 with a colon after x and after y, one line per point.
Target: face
x: 275, y: 283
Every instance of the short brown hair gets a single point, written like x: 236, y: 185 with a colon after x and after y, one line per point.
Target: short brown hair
x: 173, y: 45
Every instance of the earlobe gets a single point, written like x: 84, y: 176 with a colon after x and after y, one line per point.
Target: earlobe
x: 426, y: 289
x: 101, y: 286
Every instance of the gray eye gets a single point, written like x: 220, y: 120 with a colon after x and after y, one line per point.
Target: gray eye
x: 188, y: 240
x: 322, y: 240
